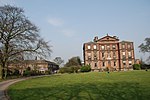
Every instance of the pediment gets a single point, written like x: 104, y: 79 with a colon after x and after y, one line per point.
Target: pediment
x: 108, y: 38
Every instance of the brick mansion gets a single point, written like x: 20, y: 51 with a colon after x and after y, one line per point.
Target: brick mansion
x: 109, y: 53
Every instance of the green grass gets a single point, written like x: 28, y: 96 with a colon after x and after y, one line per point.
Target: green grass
x: 131, y: 85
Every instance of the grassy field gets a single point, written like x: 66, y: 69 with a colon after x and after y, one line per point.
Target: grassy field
x: 131, y: 85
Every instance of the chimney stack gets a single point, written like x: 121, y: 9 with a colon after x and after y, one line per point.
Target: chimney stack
x: 96, y: 39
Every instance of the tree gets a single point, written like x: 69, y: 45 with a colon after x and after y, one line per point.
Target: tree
x: 19, y: 38
x: 74, y: 61
x: 136, y: 67
x: 145, y: 47
x: 58, y: 61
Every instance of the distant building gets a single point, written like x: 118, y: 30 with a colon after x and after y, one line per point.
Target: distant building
x: 39, y: 65
x: 109, y: 53
x: 137, y: 61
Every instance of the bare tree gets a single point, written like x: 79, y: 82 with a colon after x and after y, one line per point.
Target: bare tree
x: 18, y: 37
x: 145, y: 48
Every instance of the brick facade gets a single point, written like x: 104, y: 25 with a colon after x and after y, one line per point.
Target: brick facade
x: 109, y: 53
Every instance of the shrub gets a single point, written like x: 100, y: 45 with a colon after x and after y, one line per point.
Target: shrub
x: 16, y: 72
x: 136, y: 67
x: 85, y: 68
x: 27, y: 73
x: 62, y: 70
x: 71, y: 69
x: 47, y: 72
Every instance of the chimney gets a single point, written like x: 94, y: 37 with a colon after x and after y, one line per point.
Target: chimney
x: 95, y: 39
x: 115, y: 36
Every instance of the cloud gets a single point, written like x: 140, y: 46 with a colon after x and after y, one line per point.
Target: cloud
x: 55, y: 21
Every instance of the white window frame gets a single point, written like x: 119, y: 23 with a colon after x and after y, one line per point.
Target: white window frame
x: 123, y: 46
x: 130, y: 62
x: 114, y: 46
x: 102, y: 47
x: 123, y: 53
x: 89, y: 47
x: 95, y: 47
x: 129, y: 53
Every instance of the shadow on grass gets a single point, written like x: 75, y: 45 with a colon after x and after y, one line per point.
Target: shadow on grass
x: 80, y: 91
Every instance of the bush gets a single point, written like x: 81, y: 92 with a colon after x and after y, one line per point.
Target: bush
x: 85, y: 68
x: 62, y: 70
x: 27, y: 73
x: 71, y: 69
x: 136, y: 67
x: 47, y: 72
x: 16, y: 72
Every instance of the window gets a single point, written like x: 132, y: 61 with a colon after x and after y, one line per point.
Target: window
x: 114, y: 47
x: 114, y: 54
x: 95, y: 65
x: 109, y: 55
x: 102, y: 47
x: 103, y: 54
x: 114, y: 63
x: 108, y: 47
x: 129, y: 46
x: 95, y: 56
x: 94, y: 46
x: 124, y: 63
x: 123, y: 46
x: 130, y: 62
x: 123, y: 53
x: 103, y: 64
x: 89, y: 47
x: 129, y: 54
x: 89, y: 56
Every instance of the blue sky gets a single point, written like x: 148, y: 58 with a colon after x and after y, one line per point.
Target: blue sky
x: 67, y: 24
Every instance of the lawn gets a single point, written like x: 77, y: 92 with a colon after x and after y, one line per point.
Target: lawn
x: 130, y: 85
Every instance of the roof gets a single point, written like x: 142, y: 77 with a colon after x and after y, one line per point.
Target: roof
x: 107, y: 37
x: 35, y: 61
x: 90, y: 42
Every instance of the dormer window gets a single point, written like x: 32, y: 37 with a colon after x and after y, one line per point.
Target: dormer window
x: 89, y: 47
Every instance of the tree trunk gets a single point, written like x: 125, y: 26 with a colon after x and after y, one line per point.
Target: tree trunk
x: 5, y: 73
x: 1, y: 73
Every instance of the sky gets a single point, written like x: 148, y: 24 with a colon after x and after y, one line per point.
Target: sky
x: 68, y: 24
